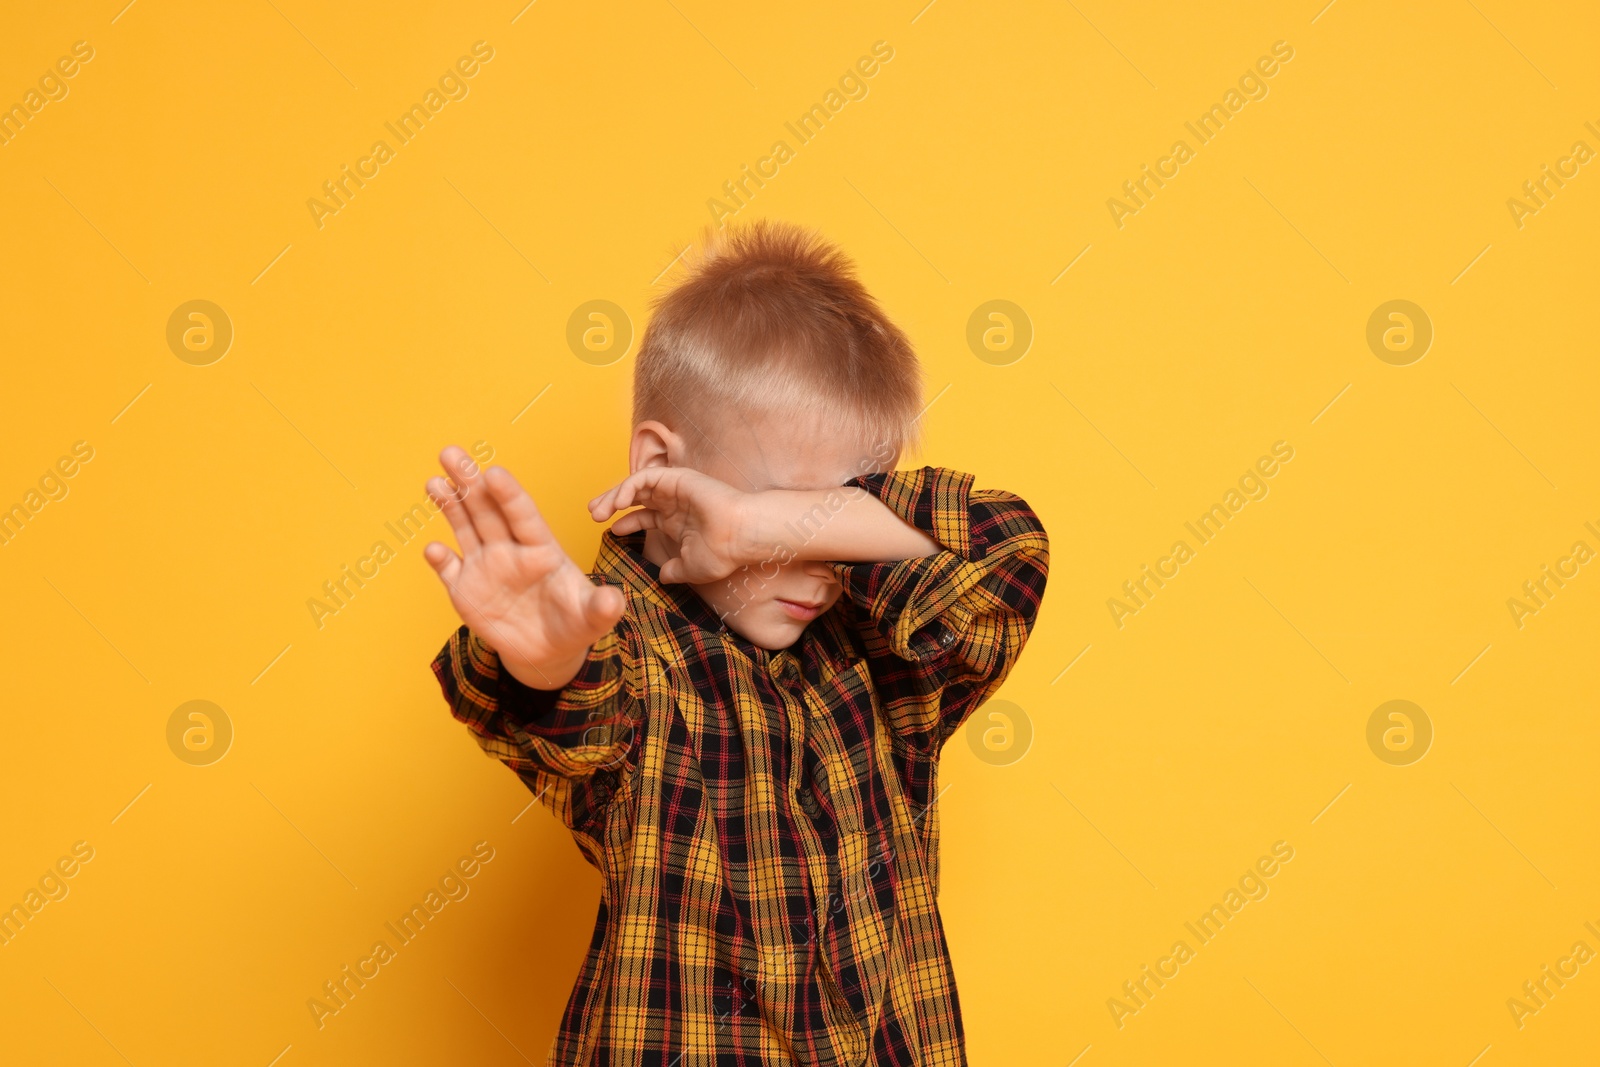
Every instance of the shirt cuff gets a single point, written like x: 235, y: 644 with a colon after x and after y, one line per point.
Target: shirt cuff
x: 933, y: 499
x: 523, y: 703
x: 919, y: 605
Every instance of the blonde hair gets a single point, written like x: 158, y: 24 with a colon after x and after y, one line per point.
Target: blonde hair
x: 770, y: 317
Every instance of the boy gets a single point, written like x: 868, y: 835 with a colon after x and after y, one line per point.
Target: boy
x: 742, y: 726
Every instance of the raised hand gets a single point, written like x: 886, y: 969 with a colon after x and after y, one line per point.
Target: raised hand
x: 512, y: 584
x: 708, y: 522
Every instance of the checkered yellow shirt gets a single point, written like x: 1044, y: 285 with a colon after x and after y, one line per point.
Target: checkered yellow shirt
x: 765, y: 821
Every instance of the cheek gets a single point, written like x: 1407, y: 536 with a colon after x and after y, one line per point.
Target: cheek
x: 723, y: 597
x: 755, y: 627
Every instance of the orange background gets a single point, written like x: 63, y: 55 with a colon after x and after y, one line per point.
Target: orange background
x: 1167, y: 755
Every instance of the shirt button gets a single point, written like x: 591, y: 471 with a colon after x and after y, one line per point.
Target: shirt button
x: 947, y: 638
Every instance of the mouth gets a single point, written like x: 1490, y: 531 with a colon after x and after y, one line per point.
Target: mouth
x: 799, y: 609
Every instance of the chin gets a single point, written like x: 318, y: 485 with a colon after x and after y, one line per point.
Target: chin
x: 774, y: 637
x: 768, y: 625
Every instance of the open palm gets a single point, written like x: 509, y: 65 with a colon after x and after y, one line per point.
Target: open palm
x: 512, y: 584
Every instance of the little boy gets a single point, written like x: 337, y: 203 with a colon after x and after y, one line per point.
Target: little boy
x: 742, y: 725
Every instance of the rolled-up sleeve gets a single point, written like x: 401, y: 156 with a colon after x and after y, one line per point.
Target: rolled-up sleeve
x: 943, y: 631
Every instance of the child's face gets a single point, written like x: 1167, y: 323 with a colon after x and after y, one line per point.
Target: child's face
x: 770, y: 603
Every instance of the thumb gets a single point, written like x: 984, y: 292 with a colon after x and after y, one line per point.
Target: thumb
x: 444, y: 562
x: 604, y: 607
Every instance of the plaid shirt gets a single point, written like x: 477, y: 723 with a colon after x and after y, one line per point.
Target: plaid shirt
x: 765, y: 821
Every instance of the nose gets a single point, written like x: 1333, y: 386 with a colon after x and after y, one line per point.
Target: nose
x: 816, y: 568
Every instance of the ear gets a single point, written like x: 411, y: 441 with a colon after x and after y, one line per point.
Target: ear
x: 654, y: 445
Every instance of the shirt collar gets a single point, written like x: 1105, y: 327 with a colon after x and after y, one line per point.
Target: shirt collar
x: 623, y: 559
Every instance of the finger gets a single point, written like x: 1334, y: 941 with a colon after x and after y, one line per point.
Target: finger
x: 639, y: 488
x: 633, y: 478
x: 487, y: 520
x: 458, y: 470
x: 600, y: 508
x: 595, y: 500
x: 643, y: 519
x: 672, y: 570
x: 606, y: 504
x: 626, y: 493
x: 521, y: 513
x: 444, y: 494
x: 445, y: 563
